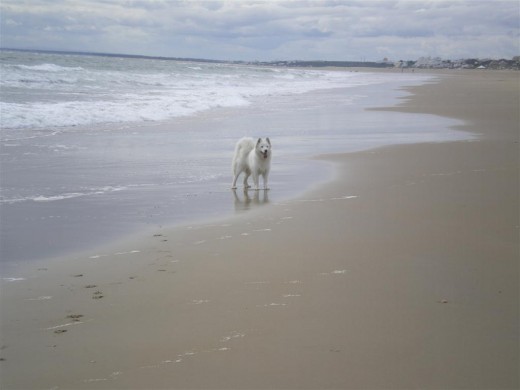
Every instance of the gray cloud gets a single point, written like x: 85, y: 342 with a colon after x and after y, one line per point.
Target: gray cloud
x: 334, y: 30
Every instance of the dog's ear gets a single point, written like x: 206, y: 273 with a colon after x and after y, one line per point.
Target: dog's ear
x: 259, y: 140
x: 268, y: 141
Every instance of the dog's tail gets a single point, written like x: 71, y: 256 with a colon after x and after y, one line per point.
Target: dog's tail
x: 242, y: 149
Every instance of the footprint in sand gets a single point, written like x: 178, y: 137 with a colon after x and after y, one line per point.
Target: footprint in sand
x: 97, y: 295
x: 75, y: 317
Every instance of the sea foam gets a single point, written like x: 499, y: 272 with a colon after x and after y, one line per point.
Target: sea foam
x: 66, y: 91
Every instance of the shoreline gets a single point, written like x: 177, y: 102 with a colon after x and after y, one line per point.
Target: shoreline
x: 402, y: 272
x: 135, y: 193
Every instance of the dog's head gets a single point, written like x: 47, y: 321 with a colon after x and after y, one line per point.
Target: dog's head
x: 263, y: 147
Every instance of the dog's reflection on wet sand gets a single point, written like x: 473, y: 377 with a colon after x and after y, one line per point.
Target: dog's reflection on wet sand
x: 245, y: 202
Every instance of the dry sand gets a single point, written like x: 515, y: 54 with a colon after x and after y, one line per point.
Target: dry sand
x: 400, y: 273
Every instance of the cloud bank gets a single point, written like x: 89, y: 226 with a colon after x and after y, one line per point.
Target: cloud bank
x: 267, y: 30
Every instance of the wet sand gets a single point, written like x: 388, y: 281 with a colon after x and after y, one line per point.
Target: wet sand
x: 402, y: 272
x: 102, y: 183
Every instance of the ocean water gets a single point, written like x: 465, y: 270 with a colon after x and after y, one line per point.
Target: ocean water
x: 93, y: 148
x: 42, y: 90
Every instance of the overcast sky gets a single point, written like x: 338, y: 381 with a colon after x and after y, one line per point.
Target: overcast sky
x: 267, y: 30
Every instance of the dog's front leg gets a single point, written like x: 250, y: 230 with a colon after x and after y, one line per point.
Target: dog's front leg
x: 255, y: 180
x: 246, y: 177
x: 266, y: 179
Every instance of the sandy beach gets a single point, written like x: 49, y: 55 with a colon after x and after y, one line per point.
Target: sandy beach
x: 400, y: 273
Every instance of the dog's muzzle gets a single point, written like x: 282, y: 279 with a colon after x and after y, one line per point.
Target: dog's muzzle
x: 265, y: 154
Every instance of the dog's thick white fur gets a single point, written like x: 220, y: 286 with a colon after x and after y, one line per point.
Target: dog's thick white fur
x: 253, y: 158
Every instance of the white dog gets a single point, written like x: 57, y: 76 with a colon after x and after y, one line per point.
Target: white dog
x: 252, y: 158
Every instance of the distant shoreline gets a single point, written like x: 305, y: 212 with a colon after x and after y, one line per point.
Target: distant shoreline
x: 473, y: 63
x: 308, y: 64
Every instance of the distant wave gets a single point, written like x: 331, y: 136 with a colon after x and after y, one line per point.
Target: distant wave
x: 184, y: 178
x: 65, y: 91
x: 68, y: 195
x: 49, y: 68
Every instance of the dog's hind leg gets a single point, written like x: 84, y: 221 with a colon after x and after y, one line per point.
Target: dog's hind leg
x: 234, y: 185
